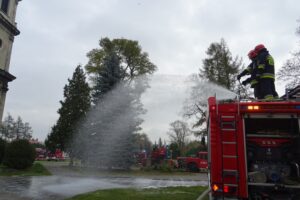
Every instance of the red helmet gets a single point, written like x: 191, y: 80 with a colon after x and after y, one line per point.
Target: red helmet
x: 259, y: 47
x: 252, y: 54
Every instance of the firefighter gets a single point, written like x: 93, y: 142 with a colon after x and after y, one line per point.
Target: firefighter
x: 265, y: 73
x: 252, y: 70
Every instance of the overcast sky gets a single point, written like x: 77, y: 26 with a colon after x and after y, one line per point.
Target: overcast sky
x: 57, y: 34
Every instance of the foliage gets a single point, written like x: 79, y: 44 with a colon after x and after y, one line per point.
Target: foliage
x: 106, y: 138
x: 107, y: 77
x: 165, y: 167
x: 142, y: 142
x: 179, y: 133
x: 37, y: 169
x: 19, y: 154
x: 218, y: 71
x: 175, y: 150
x: 290, y: 71
x: 39, y: 145
x: 166, y: 193
x: 2, y: 149
x: 220, y: 67
x: 193, y: 147
x: 160, y: 143
x: 133, y: 62
x: 73, y: 108
x: 52, y: 141
x: 15, y: 129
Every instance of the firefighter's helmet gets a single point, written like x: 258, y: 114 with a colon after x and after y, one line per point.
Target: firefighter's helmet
x: 259, y: 47
x: 252, y: 54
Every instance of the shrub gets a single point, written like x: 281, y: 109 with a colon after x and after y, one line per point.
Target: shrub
x: 165, y: 167
x: 19, y: 154
x: 2, y: 149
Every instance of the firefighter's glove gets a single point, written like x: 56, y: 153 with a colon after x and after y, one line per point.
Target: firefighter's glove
x: 244, y: 83
x: 239, y: 77
x: 247, y: 81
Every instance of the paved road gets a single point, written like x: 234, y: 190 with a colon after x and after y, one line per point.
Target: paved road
x: 66, y: 183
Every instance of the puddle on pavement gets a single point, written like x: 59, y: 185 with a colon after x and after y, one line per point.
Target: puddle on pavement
x: 60, y: 187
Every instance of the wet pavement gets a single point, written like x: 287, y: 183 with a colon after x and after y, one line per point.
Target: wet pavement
x: 61, y: 187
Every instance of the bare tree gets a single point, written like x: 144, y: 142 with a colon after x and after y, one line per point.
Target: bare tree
x: 179, y: 133
x: 11, y: 129
x: 290, y: 71
x: 217, y: 75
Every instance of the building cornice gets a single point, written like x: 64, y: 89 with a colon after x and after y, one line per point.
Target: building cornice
x: 4, y: 75
x: 8, y: 25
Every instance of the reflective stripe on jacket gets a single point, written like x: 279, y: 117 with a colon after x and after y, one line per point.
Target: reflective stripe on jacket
x: 265, y: 65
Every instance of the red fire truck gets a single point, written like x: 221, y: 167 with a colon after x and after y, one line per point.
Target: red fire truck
x: 194, y: 164
x: 254, y: 149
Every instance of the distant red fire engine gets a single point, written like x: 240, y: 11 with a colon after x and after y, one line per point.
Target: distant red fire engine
x: 194, y: 164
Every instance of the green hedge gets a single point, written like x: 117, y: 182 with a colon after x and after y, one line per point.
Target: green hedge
x: 19, y: 154
x: 2, y: 149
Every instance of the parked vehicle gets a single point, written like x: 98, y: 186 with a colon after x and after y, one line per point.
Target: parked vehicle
x: 56, y: 156
x: 40, y: 154
x: 194, y: 164
x: 158, y: 154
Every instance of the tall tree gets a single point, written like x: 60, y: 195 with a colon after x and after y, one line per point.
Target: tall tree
x: 73, y: 108
x: 218, y: 71
x: 7, y: 128
x: 110, y: 128
x: 12, y: 129
x: 19, y: 127
x: 52, y: 141
x: 27, y: 131
x: 220, y: 67
x: 179, y: 133
x: 133, y: 62
x: 106, y: 77
x: 290, y: 71
x: 115, y: 69
x: 160, y: 144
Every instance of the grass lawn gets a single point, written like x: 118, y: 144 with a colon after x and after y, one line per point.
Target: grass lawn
x: 37, y: 169
x: 168, y: 193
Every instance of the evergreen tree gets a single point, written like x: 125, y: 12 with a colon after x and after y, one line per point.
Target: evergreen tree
x: 107, y: 77
x: 160, y: 144
x: 52, y: 141
x: 175, y: 150
x: 74, y: 107
x: 19, y: 128
x: 219, y: 68
x: 113, y: 120
x: 27, y: 131
x: 114, y: 117
x: 110, y: 129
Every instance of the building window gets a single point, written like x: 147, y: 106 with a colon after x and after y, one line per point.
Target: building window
x: 4, y: 5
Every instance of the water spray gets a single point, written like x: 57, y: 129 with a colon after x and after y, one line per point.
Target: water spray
x: 244, y: 89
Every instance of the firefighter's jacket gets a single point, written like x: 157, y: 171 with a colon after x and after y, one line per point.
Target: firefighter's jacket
x: 265, y: 65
